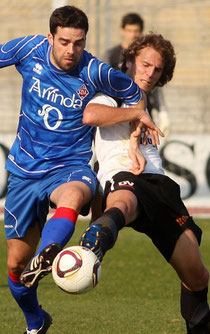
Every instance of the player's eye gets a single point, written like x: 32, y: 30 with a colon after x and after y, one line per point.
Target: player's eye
x: 64, y: 43
x: 79, y: 44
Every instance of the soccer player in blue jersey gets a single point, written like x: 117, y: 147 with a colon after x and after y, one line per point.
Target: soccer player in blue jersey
x: 49, y: 160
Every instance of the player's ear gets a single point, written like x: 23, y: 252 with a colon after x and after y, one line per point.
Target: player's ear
x: 50, y: 39
x: 128, y: 64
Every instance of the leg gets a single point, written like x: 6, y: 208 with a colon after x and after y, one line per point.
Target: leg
x: 186, y: 260
x: 195, y: 310
x: 125, y: 201
x: 69, y: 198
x: 22, y: 229
x: 102, y: 234
x: 69, y: 190
x: 19, y: 253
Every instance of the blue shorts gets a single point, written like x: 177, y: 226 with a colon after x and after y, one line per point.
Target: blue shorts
x: 28, y: 200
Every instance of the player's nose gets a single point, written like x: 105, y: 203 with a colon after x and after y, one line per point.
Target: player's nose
x: 70, y: 49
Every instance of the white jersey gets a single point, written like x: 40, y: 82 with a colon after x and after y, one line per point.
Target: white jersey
x: 112, y: 144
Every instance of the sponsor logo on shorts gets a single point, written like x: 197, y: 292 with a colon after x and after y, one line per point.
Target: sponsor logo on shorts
x: 182, y: 220
x: 126, y: 184
x: 87, y: 179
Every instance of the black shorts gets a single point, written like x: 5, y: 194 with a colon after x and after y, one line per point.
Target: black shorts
x: 163, y: 215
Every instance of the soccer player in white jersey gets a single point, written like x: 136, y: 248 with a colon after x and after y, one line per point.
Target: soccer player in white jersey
x: 149, y: 202
x: 49, y: 160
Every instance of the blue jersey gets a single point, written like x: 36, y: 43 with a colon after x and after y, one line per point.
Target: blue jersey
x: 50, y: 132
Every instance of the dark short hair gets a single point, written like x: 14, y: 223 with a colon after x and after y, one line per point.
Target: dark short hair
x: 68, y: 16
x: 163, y: 46
x: 133, y: 18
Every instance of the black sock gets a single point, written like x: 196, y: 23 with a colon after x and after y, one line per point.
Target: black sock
x: 110, y: 224
x: 194, y: 306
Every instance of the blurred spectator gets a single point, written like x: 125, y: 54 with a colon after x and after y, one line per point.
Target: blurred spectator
x: 132, y: 26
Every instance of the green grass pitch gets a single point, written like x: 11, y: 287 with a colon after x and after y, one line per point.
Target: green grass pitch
x: 138, y: 292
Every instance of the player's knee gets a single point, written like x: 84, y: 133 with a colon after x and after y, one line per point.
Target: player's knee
x: 199, y: 279
x: 74, y: 196
x: 15, y: 267
x: 203, y: 279
x: 77, y: 201
x: 123, y: 206
x: 17, y: 261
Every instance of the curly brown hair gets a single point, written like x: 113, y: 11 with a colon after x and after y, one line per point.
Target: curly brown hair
x: 163, y: 46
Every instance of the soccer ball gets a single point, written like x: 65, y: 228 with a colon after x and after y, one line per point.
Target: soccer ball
x: 76, y: 270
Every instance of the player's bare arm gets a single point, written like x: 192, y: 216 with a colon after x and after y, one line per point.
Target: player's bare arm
x: 100, y: 115
x: 135, y: 154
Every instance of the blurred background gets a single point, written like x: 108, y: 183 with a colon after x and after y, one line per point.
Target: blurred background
x: 186, y: 23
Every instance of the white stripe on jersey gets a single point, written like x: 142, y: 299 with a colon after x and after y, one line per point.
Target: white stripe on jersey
x: 88, y: 70
x: 117, y: 90
x: 2, y: 50
x: 37, y: 45
x: 99, y: 73
x: 15, y: 46
x: 57, y: 130
x: 33, y: 171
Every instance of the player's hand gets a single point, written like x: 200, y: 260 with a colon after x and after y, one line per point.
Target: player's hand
x: 137, y: 158
x: 150, y: 128
x: 138, y: 162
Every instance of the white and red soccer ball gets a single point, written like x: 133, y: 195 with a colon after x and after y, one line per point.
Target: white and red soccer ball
x: 76, y: 270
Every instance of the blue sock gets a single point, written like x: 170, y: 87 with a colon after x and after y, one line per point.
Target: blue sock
x: 59, y: 228
x: 28, y: 302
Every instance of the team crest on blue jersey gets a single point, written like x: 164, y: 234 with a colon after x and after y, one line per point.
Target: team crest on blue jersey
x: 83, y: 92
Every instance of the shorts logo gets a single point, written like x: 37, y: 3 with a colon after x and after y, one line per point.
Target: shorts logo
x: 83, y: 92
x: 182, y: 220
x: 126, y: 184
x: 87, y: 179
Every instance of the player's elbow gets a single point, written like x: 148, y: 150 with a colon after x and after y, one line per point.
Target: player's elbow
x: 89, y: 117
x: 86, y: 119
